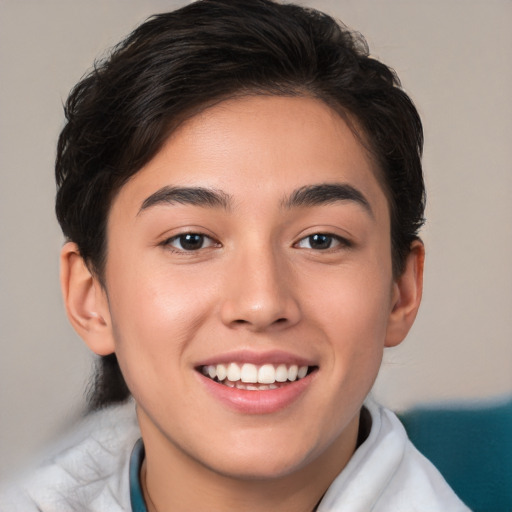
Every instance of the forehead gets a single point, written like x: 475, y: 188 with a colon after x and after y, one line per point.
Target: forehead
x: 258, y: 146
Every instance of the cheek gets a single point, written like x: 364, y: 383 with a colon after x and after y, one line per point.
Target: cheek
x: 355, y: 299
x: 155, y: 314
x: 352, y: 307
x: 152, y: 297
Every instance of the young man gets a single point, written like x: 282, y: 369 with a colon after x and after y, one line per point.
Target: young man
x: 241, y: 190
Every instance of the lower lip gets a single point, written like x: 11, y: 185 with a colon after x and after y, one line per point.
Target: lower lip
x: 258, y: 402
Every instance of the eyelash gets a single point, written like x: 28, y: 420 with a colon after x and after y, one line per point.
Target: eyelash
x: 340, y: 242
x: 327, y: 239
x: 181, y: 239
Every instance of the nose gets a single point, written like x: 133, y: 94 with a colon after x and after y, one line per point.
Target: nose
x: 259, y: 293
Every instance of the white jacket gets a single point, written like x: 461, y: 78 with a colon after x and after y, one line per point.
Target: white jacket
x: 90, y: 473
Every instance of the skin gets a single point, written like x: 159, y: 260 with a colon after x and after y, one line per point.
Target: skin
x: 256, y: 284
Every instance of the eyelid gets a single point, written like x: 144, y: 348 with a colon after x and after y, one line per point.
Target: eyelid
x: 168, y: 242
x: 340, y: 241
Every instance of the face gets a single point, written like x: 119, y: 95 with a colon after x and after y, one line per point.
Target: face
x: 249, y: 286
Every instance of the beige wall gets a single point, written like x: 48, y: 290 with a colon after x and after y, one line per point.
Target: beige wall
x: 454, y: 58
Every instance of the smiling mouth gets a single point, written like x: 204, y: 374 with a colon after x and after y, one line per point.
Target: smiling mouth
x: 252, y: 377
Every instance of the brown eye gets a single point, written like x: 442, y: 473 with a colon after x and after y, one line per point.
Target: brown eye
x: 322, y: 242
x: 190, y: 242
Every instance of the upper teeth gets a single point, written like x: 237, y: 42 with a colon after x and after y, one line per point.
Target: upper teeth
x: 250, y: 373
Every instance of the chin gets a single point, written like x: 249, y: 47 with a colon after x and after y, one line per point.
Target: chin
x: 260, y: 464
x: 260, y: 470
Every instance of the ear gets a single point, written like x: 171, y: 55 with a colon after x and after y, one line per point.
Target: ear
x: 407, y: 291
x: 85, y: 301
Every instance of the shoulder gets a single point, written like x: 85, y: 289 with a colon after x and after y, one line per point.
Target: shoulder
x: 388, y: 474
x: 88, y: 470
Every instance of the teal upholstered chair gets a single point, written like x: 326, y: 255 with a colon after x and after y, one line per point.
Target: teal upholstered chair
x: 471, y: 445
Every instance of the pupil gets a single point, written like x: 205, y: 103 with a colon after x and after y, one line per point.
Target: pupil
x: 320, y: 241
x: 191, y: 242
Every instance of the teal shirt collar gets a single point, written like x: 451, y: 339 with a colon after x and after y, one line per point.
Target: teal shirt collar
x: 136, y: 460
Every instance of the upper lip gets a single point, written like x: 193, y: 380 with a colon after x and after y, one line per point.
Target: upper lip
x: 257, y: 358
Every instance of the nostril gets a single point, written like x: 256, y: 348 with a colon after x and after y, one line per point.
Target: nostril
x: 241, y: 321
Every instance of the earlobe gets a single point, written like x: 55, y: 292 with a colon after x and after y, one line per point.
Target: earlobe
x: 407, y: 292
x: 85, y: 301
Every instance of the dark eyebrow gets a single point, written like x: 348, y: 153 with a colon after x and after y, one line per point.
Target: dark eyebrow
x: 195, y: 196
x: 326, y: 193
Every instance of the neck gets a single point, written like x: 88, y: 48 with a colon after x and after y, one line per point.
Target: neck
x: 261, y: 496
x: 172, y: 480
